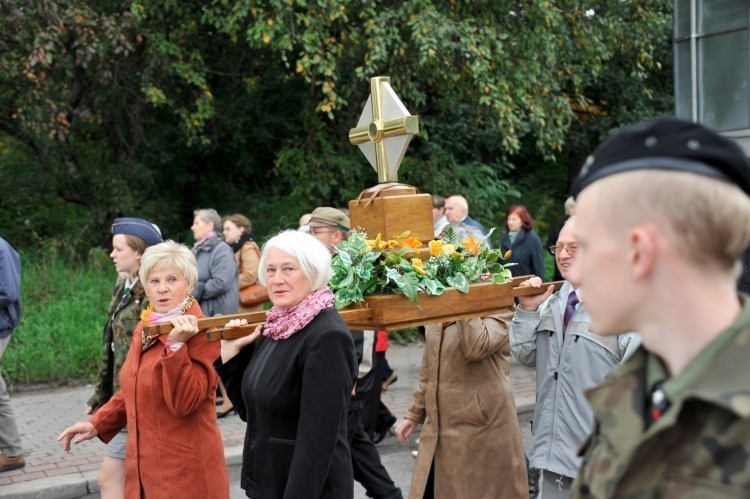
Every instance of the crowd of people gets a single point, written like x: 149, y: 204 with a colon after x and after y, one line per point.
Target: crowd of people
x: 640, y: 354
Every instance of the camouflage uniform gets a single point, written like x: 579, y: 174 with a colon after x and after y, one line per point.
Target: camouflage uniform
x: 124, y: 315
x: 699, y: 448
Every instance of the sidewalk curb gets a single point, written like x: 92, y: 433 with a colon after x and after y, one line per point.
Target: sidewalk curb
x: 79, y: 484
x: 525, y: 408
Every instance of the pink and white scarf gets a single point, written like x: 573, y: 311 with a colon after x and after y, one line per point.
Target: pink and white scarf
x: 210, y: 235
x: 283, y: 323
x: 150, y: 316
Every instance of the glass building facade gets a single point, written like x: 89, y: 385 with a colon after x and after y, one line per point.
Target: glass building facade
x: 712, y: 65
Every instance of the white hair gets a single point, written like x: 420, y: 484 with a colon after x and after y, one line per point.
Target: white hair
x: 312, y: 255
x: 569, y: 203
x: 460, y: 201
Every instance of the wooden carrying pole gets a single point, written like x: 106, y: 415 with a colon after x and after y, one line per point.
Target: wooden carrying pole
x: 358, y: 316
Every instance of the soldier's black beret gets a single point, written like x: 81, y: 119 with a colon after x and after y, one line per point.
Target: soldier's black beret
x: 667, y: 144
x: 138, y: 227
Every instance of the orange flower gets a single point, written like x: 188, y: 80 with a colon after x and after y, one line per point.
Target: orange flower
x: 471, y: 245
x: 436, y: 247
x: 416, y: 264
x: 409, y: 242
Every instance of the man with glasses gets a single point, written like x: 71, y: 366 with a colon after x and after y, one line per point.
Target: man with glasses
x: 552, y: 332
x: 329, y: 225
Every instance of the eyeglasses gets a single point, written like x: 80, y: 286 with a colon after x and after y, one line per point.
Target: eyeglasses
x: 572, y: 248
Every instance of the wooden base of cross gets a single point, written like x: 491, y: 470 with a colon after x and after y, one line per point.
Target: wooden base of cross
x: 390, y: 312
x: 390, y: 209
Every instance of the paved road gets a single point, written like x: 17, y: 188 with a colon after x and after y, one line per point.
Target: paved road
x: 50, y: 473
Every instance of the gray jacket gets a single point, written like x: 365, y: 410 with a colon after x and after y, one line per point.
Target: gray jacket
x: 10, y: 288
x: 217, y: 290
x: 563, y: 418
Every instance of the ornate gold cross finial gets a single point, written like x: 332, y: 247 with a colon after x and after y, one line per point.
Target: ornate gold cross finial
x: 384, y: 130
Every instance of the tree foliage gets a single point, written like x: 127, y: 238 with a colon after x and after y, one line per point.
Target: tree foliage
x: 157, y: 107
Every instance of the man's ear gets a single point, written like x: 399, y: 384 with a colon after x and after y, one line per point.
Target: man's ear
x: 643, y: 251
x: 338, y: 236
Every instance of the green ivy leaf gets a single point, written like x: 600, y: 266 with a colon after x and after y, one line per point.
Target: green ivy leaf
x: 348, y: 280
x: 459, y: 282
x: 432, y: 287
x: 345, y: 258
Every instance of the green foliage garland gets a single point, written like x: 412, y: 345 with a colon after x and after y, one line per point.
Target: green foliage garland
x: 364, y: 267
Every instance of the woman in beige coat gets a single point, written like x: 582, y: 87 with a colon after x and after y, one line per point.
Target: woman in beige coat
x: 238, y: 234
x: 470, y: 445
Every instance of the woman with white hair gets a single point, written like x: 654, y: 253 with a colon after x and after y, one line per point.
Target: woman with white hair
x: 166, y: 398
x: 291, y: 379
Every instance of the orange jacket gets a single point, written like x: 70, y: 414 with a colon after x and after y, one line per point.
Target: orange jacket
x: 174, y: 447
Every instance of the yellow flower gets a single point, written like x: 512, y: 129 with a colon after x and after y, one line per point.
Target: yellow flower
x: 471, y: 245
x: 377, y: 244
x: 416, y: 264
x: 436, y: 247
x: 449, y: 249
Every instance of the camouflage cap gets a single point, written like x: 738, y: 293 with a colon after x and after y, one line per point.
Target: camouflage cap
x: 667, y: 144
x: 326, y: 216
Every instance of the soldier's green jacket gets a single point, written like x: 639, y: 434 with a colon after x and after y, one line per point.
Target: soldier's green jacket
x: 124, y: 315
x: 699, y: 448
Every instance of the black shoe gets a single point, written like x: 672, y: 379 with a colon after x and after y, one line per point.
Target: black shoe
x: 390, y: 380
x: 378, y: 436
x: 224, y: 409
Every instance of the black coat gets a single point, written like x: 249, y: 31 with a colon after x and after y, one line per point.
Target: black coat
x: 527, y: 252
x: 294, y: 394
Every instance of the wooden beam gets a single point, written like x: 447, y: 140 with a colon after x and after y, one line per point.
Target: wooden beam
x: 388, y: 312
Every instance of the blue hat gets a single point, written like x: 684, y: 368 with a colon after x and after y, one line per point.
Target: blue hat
x: 667, y: 144
x: 138, y: 227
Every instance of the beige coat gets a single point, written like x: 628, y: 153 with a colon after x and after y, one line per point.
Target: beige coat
x: 465, y: 402
x: 248, y: 258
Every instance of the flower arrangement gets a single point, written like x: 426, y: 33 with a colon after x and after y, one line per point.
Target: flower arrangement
x: 371, y: 266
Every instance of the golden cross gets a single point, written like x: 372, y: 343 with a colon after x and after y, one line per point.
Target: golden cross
x: 384, y: 130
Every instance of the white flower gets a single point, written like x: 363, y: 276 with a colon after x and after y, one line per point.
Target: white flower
x: 590, y: 13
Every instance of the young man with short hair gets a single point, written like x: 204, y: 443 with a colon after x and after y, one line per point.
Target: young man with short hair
x: 663, y: 215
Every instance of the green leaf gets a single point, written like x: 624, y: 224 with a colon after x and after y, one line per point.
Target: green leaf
x: 347, y: 282
x: 345, y: 258
x: 459, y: 282
x: 432, y: 287
x: 409, y: 286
